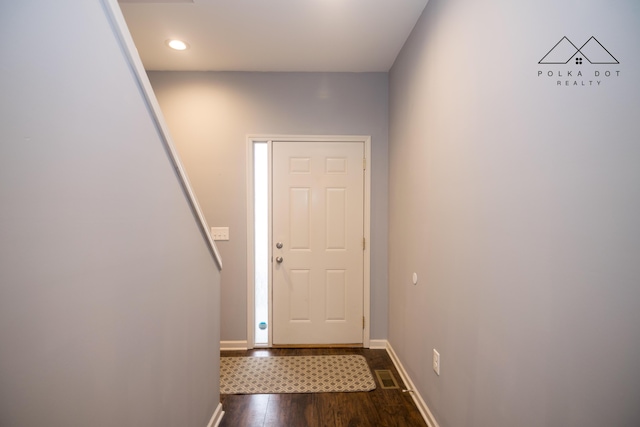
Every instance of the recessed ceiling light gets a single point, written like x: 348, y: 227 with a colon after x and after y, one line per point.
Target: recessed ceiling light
x: 177, y: 44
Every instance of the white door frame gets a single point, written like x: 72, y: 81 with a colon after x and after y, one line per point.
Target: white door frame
x: 253, y: 139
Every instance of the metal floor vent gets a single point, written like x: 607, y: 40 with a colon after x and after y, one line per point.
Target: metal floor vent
x: 386, y: 379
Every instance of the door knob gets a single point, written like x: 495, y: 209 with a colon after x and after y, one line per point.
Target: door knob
x: 279, y: 245
x: 279, y: 259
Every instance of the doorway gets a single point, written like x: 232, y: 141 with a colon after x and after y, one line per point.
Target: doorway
x: 308, y: 240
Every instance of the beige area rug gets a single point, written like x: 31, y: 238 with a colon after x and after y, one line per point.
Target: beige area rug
x: 295, y: 374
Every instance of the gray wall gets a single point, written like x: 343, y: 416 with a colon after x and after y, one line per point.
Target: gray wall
x: 210, y: 115
x: 517, y: 202
x: 109, y: 299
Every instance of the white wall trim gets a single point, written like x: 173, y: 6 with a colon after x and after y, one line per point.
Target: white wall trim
x: 378, y: 344
x: 417, y: 398
x: 367, y: 235
x: 216, y: 417
x: 233, y: 345
x: 251, y: 140
x: 121, y: 31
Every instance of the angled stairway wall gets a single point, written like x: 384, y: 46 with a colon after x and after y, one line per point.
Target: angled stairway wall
x: 109, y: 291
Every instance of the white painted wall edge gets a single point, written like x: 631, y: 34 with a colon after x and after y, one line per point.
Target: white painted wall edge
x: 417, y: 398
x: 233, y: 345
x: 121, y: 30
x: 216, y: 417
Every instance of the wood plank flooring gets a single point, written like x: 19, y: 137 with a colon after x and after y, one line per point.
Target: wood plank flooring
x: 379, y: 408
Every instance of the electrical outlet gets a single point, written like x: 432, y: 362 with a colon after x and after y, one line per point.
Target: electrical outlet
x: 436, y: 361
x: 220, y: 233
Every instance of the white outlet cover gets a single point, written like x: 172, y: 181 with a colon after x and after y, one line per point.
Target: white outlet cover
x: 415, y: 278
x: 436, y: 361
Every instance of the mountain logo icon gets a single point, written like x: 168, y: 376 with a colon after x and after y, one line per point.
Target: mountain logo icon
x: 565, y: 51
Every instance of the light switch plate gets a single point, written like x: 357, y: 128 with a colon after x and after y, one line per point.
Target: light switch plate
x: 220, y: 233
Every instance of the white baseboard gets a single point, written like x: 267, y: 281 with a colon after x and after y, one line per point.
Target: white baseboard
x: 217, y: 417
x: 242, y: 345
x: 417, y: 398
x: 233, y: 345
x: 378, y: 344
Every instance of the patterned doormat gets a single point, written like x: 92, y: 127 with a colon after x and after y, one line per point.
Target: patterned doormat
x: 295, y: 374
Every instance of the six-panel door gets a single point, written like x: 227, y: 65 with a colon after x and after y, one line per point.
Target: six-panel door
x: 318, y: 220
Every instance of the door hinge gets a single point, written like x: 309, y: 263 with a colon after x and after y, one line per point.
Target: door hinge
x: 364, y: 163
x: 362, y: 322
x: 364, y: 243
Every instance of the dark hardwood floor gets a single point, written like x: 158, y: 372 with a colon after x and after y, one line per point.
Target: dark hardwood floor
x: 380, y: 407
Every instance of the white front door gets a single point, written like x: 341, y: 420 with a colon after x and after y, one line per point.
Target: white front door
x: 318, y: 238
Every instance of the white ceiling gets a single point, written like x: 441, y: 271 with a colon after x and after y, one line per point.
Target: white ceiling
x: 272, y: 35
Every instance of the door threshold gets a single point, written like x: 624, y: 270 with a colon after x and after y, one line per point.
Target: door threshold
x: 317, y: 346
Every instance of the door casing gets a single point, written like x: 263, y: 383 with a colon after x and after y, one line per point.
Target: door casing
x: 253, y: 139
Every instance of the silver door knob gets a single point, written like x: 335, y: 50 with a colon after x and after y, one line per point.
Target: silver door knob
x: 279, y: 245
x: 279, y: 259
